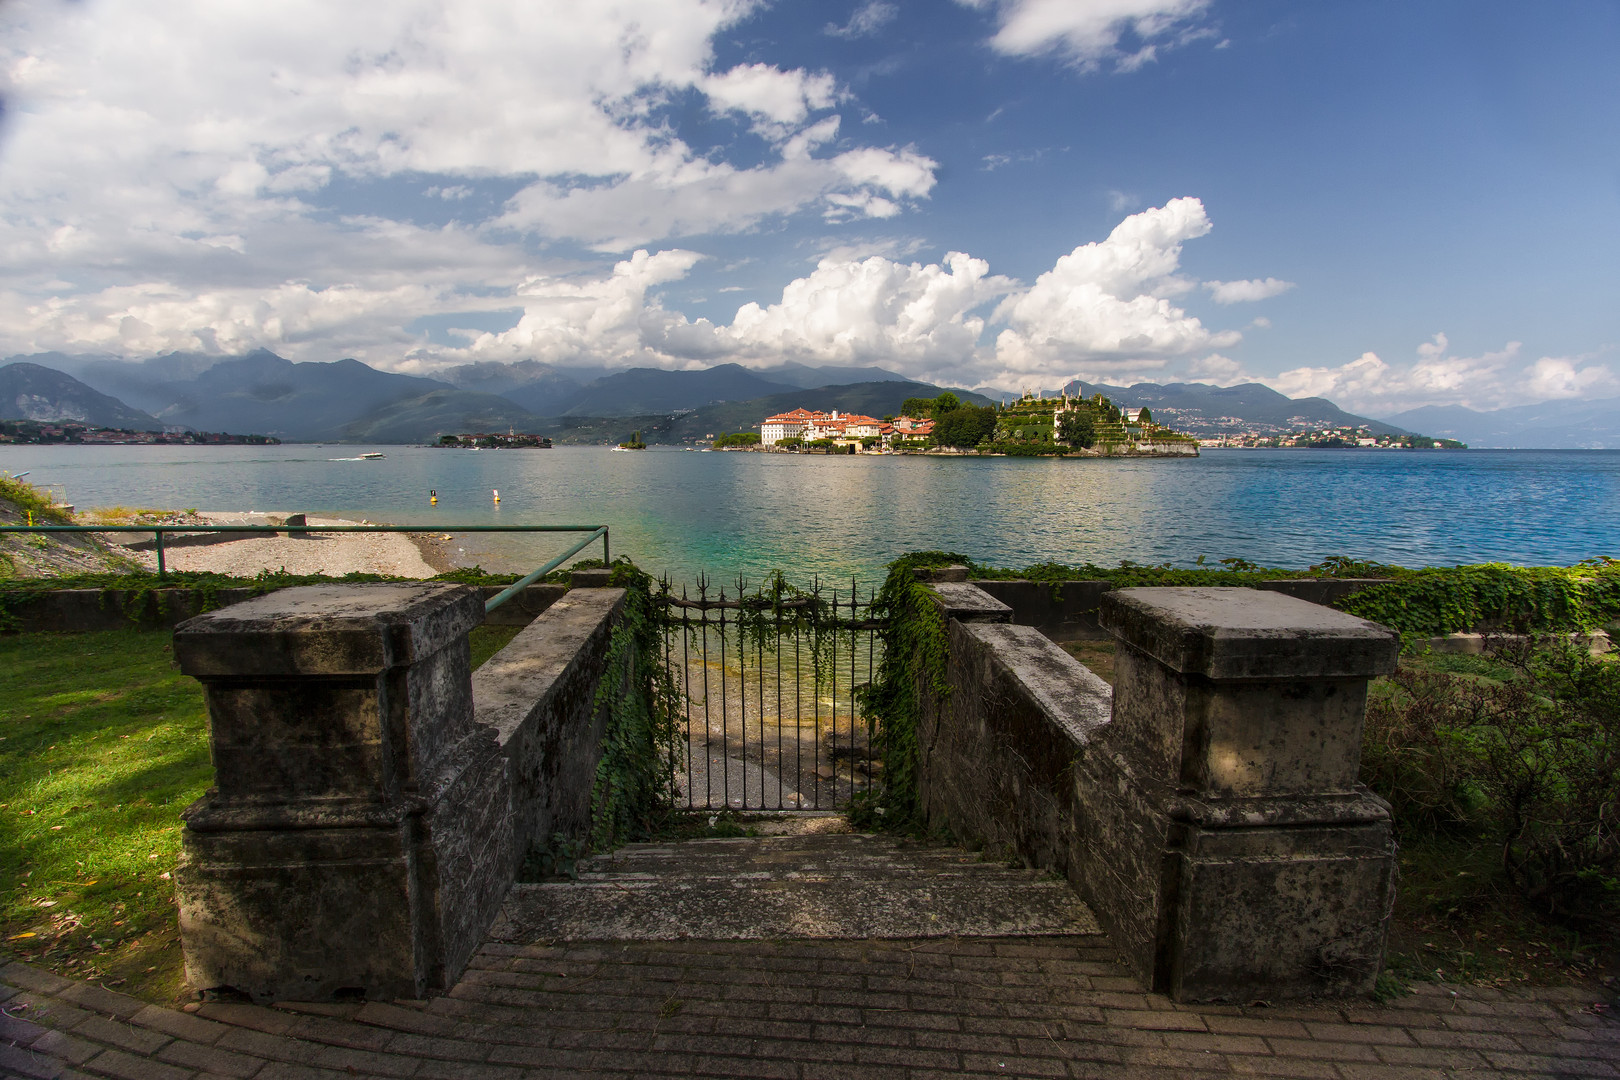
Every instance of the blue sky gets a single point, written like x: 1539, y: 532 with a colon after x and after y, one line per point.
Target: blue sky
x: 1389, y: 204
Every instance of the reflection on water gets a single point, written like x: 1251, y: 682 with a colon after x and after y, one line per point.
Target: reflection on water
x: 842, y: 517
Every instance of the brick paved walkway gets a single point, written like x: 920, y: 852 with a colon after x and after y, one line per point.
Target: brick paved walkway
x: 1050, y: 1006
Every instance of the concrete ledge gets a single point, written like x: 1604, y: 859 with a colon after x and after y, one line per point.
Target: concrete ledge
x: 1067, y: 610
x: 538, y: 696
x: 962, y: 600
x: 1247, y: 634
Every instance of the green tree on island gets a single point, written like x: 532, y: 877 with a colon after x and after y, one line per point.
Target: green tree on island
x: 964, y: 426
x: 1078, y: 429
x: 918, y: 408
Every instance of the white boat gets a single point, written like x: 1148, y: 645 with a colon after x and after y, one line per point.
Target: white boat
x: 370, y: 456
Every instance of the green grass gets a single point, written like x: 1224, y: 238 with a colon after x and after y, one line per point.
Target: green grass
x: 103, y: 742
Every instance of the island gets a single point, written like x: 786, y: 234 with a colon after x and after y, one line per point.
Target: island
x: 485, y: 440
x: 1035, y: 425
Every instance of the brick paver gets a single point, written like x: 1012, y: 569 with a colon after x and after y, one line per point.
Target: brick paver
x: 803, y: 1010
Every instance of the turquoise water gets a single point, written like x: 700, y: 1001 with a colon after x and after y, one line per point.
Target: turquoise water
x: 837, y: 517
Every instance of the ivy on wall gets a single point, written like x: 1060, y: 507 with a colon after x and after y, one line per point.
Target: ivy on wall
x: 633, y: 791
x: 916, y: 651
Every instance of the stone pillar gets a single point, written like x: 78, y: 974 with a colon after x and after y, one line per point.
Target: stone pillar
x: 358, y: 836
x: 1237, y: 728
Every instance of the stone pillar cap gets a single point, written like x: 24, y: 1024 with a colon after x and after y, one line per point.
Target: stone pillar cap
x: 327, y: 629
x: 1247, y: 634
x: 969, y: 603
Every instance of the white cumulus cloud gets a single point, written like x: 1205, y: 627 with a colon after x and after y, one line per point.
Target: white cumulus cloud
x: 1492, y: 380
x: 783, y: 97
x: 876, y: 310
x: 1243, y: 292
x: 193, y: 150
x: 1091, y: 33
x: 1100, y: 309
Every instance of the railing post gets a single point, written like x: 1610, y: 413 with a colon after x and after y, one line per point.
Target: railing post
x: 1250, y: 863
x: 158, y: 543
x: 358, y: 839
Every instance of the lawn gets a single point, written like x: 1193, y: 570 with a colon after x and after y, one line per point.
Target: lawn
x: 103, y: 742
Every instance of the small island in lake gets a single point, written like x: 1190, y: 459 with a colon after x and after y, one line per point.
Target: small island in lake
x: 1033, y: 426
x: 512, y: 440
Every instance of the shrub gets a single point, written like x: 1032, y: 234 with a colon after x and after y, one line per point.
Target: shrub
x: 1531, y: 759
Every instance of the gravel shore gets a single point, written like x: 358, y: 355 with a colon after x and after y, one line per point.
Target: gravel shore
x: 333, y: 554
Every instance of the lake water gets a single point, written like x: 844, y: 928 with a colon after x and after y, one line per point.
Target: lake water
x: 743, y: 513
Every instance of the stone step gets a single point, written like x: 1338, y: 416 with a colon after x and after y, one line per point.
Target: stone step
x: 840, y: 886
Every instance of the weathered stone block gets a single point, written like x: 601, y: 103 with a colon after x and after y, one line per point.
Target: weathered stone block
x: 1207, y: 808
x: 538, y: 697
x: 1235, y: 692
x: 358, y: 837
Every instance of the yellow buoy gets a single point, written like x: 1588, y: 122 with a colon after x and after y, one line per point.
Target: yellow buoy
x: 497, y: 492
x: 433, y: 497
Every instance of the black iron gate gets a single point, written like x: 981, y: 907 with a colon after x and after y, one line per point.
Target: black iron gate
x: 771, y: 682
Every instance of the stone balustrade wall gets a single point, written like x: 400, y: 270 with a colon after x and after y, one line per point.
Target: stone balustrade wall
x: 371, y: 803
x: 1206, y: 806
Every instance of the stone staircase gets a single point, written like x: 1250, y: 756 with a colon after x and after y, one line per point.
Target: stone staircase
x: 821, y: 885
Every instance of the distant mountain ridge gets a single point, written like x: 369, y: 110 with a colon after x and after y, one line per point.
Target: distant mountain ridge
x: 1550, y: 425
x: 34, y: 392
x: 346, y: 400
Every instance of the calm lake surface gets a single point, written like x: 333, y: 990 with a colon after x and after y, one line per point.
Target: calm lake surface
x: 840, y: 517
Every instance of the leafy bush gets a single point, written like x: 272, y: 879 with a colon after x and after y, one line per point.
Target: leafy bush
x: 965, y: 426
x: 1530, y: 759
x: 1077, y: 428
x: 1493, y: 596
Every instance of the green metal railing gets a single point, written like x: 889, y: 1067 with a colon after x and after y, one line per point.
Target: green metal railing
x: 597, y: 532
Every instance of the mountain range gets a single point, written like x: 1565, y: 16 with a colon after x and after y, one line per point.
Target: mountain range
x: 346, y: 400
x: 34, y: 392
x: 1551, y: 425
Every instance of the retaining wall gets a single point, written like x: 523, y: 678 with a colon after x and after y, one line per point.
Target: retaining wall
x: 1207, y: 807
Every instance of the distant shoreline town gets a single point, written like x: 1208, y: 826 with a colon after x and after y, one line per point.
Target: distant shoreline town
x: 1335, y: 438
x: 41, y: 433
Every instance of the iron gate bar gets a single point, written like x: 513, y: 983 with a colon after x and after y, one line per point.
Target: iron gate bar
x: 773, y: 620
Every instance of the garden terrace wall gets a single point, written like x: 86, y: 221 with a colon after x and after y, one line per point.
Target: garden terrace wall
x: 79, y: 610
x: 1207, y: 807
x: 371, y: 804
x: 538, y: 695
x: 1067, y: 610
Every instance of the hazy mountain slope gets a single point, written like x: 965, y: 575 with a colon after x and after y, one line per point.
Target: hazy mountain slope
x: 32, y: 392
x: 264, y: 394
x: 522, y: 376
x: 1551, y: 425
x: 148, y: 384
x: 808, y: 378
x: 649, y: 391
x: 439, y: 412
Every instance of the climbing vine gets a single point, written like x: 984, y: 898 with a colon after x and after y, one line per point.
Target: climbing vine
x: 915, y: 655
x: 1494, y: 596
x: 634, y: 786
